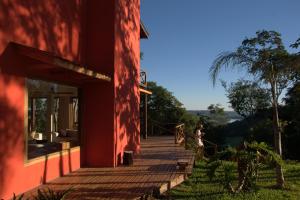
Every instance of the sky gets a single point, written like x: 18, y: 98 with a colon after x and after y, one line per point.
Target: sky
x: 187, y: 35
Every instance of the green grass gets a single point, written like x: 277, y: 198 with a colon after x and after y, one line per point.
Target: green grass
x: 198, y: 186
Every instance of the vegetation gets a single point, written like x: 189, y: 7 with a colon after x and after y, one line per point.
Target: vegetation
x: 165, y: 110
x: 296, y: 44
x: 199, y: 186
x: 46, y: 194
x: 264, y: 56
x: 163, y: 106
x: 40, y: 114
x: 245, y: 172
x: 249, y: 157
x: 247, y: 97
x: 291, y: 116
x: 21, y: 197
x: 213, y: 124
x: 274, y: 69
x: 217, y: 115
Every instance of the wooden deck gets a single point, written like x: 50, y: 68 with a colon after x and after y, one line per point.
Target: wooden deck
x: 154, y: 172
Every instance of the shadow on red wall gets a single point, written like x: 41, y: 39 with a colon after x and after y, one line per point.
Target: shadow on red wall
x: 127, y: 73
x: 53, y: 26
x: 47, y: 25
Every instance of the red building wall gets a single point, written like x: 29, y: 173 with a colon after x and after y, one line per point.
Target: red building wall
x: 98, y: 99
x: 116, y: 41
x: 101, y: 35
x: 126, y: 76
x: 15, y: 175
x: 53, y: 26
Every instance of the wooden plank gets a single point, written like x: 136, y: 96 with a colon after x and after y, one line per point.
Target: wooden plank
x: 145, y: 91
x: 153, y: 170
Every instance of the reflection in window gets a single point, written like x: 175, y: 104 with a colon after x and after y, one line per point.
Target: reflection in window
x: 52, y: 118
x: 38, y: 106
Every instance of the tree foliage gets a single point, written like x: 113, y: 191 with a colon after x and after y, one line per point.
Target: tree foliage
x: 46, y: 194
x: 247, y: 97
x: 217, y: 115
x: 215, y: 109
x: 248, y: 158
x: 164, y: 108
x: 296, y: 44
x: 296, y: 61
x: 291, y: 114
x: 265, y: 57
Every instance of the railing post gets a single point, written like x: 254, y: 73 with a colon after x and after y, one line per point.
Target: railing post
x: 185, y: 137
x: 152, y: 128
x: 146, y: 117
x: 175, y: 134
x: 179, y: 134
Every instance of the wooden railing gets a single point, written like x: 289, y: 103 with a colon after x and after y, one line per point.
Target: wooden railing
x: 181, y: 137
x: 179, y: 134
x: 210, y: 148
x: 170, y: 128
x: 160, y: 126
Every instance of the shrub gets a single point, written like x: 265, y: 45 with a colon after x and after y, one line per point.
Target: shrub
x: 248, y: 157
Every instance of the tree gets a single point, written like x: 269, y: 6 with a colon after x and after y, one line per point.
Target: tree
x: 246, y: 97
x: 217, y: 115
x: 296, y: 44
x: 215, y: 109
x: 165, y: 108
x: 265, y: 57
x: 291, y: 113
x: 162, y: 105
x: 296, y: 60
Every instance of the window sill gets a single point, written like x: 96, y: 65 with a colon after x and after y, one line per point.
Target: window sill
x: 43, y: 158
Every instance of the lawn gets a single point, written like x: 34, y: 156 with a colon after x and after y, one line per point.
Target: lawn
x: 198, y: 186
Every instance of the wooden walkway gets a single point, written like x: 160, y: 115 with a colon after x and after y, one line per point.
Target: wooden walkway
x: 154, y: 172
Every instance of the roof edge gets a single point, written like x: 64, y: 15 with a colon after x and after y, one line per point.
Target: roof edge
x: 144, y: 32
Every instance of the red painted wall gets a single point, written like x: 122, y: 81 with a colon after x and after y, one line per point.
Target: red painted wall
x: 117, y: 43
x: 126, y: 76
x: 15, y: 176
x: 97, y: 126
x: 53, y: 26
x: 98, y: 99
x: 101, y: 35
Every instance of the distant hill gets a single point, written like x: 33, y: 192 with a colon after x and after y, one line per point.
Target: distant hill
x: 231, y: 114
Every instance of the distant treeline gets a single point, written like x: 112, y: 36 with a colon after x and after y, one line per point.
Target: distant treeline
x: 229, y: 114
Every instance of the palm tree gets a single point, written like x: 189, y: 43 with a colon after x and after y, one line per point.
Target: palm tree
x: 264, y: 57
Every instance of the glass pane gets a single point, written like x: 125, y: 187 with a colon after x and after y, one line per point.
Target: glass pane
x: 52, y: 117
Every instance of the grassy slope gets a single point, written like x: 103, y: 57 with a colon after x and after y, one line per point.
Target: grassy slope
x: 198, y: 186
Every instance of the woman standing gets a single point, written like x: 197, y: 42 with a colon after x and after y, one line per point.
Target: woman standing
x: 199, y: 140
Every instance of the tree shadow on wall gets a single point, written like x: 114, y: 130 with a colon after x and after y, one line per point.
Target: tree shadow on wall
x: 52, y: 26
x: 128, y: 72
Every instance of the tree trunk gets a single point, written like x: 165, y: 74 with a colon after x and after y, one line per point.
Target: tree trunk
x: 277, y: 136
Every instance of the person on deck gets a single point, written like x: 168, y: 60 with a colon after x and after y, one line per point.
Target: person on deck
x: 199, y: 140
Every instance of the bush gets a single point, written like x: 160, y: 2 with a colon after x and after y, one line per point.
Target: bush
x: 248, y: 158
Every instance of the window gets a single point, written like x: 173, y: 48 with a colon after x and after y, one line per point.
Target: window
x: 52, y: 118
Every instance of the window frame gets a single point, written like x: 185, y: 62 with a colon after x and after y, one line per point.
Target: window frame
x: 44, y: 158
